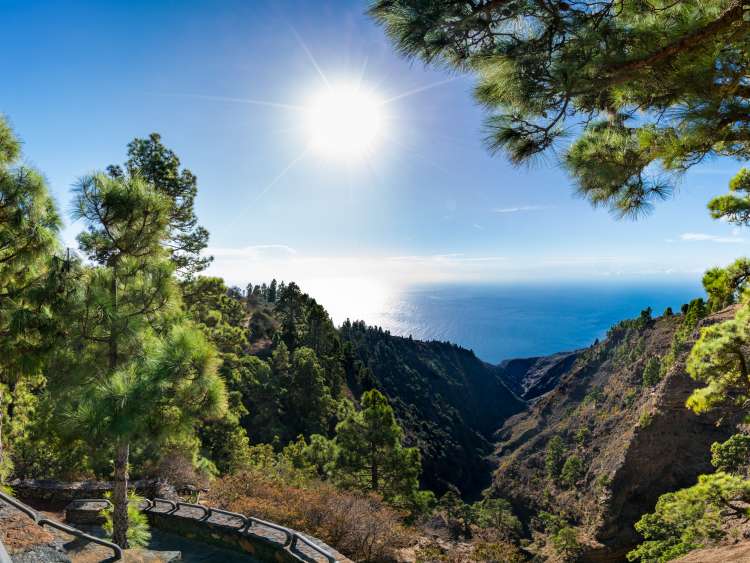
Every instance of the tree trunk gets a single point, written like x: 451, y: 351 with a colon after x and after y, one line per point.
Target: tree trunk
x: 120, y: 496
x: 374, y: 478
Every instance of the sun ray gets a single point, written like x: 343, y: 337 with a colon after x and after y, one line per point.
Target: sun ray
x: 250, y: 101
x: 419, y: 90
x: 268, y: 187
x: 310, y: 56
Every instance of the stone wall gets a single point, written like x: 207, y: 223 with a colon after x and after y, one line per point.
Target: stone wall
x: 262, y: 549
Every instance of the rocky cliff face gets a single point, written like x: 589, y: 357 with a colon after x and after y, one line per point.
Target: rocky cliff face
x: 532, y: 377
x: 635, y: 441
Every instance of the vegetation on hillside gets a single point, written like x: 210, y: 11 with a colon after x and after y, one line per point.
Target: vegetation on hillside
x: 129, y: 363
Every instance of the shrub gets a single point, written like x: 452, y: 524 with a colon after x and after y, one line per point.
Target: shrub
x: 582, y: 436
x: 497, y: 552
x: 646, y: 419
x: 565, y: 541
x: 139, y: 533
x: 361, y: 526
x: 496, y: 514
x: 572, y: 471
x: 652, y: 372
x: 732, y: 456
x: 554, y: 457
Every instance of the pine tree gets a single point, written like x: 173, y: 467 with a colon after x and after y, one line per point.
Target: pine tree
x: 28, y: 239
x: 136, y: 372
x: 640, y: 83
x: 370, y: 452
x: 309, y: 403
x: 151, y: 161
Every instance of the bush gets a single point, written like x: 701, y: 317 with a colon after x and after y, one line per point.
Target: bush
x: 691, y: 518
x: 139, y: 533
x: 732, y: 456
x: 652, y: 372
x: 554, y: 457
x: 646, y: 419
x: 572, y: 471
x: 361, y: 526
x: 496, y: 514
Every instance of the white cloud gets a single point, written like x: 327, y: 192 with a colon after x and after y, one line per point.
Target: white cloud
x: 704, y: 237
x: 519, y: 208
x: 252, y: 252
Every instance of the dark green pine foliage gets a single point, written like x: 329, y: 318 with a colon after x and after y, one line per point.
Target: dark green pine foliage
x: 646, y: 89
x: 370, y: 454
x: 28, y: 239
x: 150, y: 160
x: 220, y: 313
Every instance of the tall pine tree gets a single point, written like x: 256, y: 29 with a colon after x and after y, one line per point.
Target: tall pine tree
x: 135, y: 372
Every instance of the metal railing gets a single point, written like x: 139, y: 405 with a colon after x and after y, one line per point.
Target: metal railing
x: 292, y: 538
x: 43, y: 521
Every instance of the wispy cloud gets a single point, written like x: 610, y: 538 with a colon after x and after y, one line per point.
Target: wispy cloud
x: 519, y: 208
x: 252, y: 252
x: 704, y: 237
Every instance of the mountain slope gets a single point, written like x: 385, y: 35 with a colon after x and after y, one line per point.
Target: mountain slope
x: 531, y: 377
x: 449, y: 402
x: 635, y: 441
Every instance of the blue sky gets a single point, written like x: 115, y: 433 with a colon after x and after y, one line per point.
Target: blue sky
x: 81, y: 79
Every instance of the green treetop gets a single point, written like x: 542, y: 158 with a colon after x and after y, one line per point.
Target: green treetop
x: 150, y: 160
x: 648, y: 88
x: 370, y: 454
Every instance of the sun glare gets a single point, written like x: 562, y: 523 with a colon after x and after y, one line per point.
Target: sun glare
x: 344, y: 121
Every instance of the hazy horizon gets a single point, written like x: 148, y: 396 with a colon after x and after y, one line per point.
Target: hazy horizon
x: 425, y: 203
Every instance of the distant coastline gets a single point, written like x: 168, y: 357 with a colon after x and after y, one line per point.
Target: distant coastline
x: 516, y: 320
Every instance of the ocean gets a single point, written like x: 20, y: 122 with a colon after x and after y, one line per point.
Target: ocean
x: 502, y: 321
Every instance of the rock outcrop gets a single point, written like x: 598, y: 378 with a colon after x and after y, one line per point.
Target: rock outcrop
x: 531, y: 377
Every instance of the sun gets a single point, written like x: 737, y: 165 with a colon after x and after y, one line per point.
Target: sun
x: 345, y: 121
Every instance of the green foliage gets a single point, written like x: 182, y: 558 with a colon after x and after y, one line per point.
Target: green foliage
x: 691, y: 518
x: 692, y: 313
x: 732, y: 456
x: 310, y: 404
x: 441, y: 390
x: 651, y: 88
x: 565, y: 541
x: 496, y: 514
x: 562, y: 536
x: 139, y: 532
x: 28, y: 286
x: 645, y: 419
x: 572, y: 471
x: 724, y: 286
x: 158, y: 166
x: 554, y: 457
x: 734, y: 207
x: 370, y: 454
x: 582, y: 436
x: 651, y: 372
x: 718, y: 361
